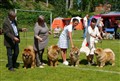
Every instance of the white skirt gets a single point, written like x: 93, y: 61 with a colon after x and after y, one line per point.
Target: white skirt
x: 63, y: 43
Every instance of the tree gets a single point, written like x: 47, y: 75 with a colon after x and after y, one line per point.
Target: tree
x: 71, y: 4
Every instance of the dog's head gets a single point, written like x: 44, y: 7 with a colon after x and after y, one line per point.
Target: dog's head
x: 74, y: 52
x: 27, y: 53
x: 98, y: 51
x: 53, y: 52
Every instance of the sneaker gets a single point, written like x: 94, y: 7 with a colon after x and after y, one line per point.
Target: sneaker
x: 65, y: 63
x: 89, y: 64
x: 41, y: 66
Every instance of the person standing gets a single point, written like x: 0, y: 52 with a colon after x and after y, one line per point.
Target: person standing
x: 11, y: 39
x: 100, y: 26
x: 85, y: 24
x: 41, y: 33
x: 64, y: 39
x: 92, y: 34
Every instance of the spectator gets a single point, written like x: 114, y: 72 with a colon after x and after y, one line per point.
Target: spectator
x: 100, y: 26
x: 57, y: 31
x: 85, y: 24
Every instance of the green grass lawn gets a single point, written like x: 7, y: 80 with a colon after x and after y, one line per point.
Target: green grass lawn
x: 61, y: 73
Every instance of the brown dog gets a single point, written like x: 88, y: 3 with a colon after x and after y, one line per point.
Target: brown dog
x: 53, y: 53
x: 28, y: 57
x: 103, y: 56
x: 74, y: 56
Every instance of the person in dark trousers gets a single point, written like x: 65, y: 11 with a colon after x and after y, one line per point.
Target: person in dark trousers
x: 11, y: 39
x: 41, y: 32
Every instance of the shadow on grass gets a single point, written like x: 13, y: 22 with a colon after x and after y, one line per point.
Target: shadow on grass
x: 84, y: 62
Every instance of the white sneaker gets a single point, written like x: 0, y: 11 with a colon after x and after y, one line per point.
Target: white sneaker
x: 41, y: 66
x: 65, y: 63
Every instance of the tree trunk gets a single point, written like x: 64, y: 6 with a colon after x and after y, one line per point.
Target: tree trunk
x: 89, y: 5
x: 47, y: 3
x: 14, y: 1
x: 71, y: 4
x: 67, y: 4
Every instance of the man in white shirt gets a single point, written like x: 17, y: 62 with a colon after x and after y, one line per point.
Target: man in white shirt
x: 85, y: 24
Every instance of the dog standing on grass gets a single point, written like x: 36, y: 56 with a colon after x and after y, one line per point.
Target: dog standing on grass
x: 28, y: 57
x: 74, y: 56
x: 103, y: 56
x: 53, y: 53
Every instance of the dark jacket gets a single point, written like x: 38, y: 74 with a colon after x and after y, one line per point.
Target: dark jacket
x: 9, y: 33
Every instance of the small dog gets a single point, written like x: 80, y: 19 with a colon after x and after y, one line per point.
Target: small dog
x: 28, y: 57
x: 53, y: 53
x: 74, y: 56
x: 103, y: 56
x: 108, y: 36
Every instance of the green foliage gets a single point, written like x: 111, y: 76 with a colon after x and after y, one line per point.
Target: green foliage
x: 37, y: 6
x: 59, y: 10
x: 25, y: 18
x: 73, y: 13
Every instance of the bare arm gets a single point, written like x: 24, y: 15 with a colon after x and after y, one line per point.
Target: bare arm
x: 71, y: 41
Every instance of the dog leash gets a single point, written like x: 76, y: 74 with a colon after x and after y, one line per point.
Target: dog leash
x: 25, y: 36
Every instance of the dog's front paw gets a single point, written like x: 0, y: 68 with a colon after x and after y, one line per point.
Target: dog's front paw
x: 76, y: 65
x: 32, y: 67
x: 97, y: 66
x: 113, y: 64
x: 25, y: 68
x: 101, y: 66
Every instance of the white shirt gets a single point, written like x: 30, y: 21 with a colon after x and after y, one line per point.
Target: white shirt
x: 57, y: 30
x: 64, y: 34
x: 94, y: 32
x: 85, y: 21
x: 14, y: 28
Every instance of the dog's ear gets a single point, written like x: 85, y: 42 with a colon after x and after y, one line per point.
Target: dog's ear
x: 100, y: 49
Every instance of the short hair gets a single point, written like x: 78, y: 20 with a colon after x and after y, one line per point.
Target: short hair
x: 11, y: 13
x: 40, y: 18
x: 94, y: 20
x: 74, y: 20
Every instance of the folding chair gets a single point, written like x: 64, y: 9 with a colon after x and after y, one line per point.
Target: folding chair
x: 110, y: 33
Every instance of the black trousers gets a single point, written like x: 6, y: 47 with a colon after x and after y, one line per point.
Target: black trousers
x: 39, y: 57
x: 12, y: 55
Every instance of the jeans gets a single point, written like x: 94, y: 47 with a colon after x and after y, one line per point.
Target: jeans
x: 12, y: 54
x: 84, y: 32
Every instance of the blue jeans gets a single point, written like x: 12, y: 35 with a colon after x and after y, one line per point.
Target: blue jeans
x: 84, y: 32
x: 12, y: 54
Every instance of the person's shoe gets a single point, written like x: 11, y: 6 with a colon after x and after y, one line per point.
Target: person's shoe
x: 65, y: 63
x: 89, y: 64
x: 16, y: 65
x: 41, y: 66
x: 11, y: 69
